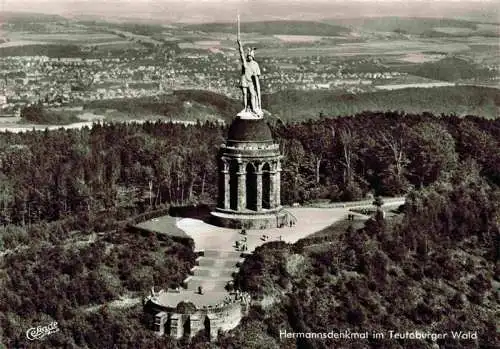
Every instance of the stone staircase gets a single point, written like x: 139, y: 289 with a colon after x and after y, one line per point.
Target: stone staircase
x: 214, y: 270
x: 217, y: 254
x: 207, y: 283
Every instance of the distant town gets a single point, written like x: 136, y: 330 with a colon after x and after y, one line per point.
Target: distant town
x: 57, y: 62
x: 62, y: 81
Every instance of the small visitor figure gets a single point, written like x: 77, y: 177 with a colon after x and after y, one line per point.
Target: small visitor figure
x: 200, y: 290
x: 379, y: 213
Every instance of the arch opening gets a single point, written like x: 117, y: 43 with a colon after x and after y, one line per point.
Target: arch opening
x: 206, y: 325
x: 266, y: 186
x: 233, y: 185
x: 251, y: 187
x: 187, y: 326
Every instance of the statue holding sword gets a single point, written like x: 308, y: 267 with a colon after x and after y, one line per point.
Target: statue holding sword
x: 249, y: 82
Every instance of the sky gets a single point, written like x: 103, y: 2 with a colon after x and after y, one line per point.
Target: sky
x: 225, y: 10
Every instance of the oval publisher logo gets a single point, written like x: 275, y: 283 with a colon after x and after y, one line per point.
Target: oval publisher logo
x: 39, y: 332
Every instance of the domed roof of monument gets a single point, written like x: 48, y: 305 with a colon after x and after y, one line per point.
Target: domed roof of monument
x: 249, y: 130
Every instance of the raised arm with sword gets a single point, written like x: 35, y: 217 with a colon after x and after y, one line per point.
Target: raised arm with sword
x: 249, y: 82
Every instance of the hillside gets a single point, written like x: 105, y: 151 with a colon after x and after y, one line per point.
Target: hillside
x: 86, y: 272
x: 449, y: 69
x: 274, y: 27
x: 296, y: 106
x: 49, y: 50
x: 461, y: 100
x: 29, y: 21
x: 28, y: 17
x: 69, y: 225
x: 189, y: 105
x: 403, y: 24
x: 417, y: 272
x: 39, y: 115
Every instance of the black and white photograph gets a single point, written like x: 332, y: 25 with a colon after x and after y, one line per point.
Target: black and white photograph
x: 249, y: 174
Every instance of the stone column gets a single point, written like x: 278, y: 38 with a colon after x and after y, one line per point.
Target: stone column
x: 176, y: 328
x: 227, y: 190
x: 259, y: 190
x: 242, y: 188
x: 277, y: 184
x: 272, y: 189
x: 196, y: 325
x: 160, y: 321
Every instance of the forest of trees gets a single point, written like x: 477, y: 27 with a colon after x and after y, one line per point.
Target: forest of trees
x: 61, y: 275
x: 430, y: 270
x: 171, y: 105
x: 451, y: 69
x: 38, y: 114
x: 49, y: 50
x: 296, y: 105
x: 50, y: 175
x: 62, y: 251
x: 274, y: 27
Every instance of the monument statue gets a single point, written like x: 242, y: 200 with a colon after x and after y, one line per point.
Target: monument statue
x: 249, y: 82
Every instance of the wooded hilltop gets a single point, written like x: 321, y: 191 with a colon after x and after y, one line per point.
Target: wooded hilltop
x: 433, y: 267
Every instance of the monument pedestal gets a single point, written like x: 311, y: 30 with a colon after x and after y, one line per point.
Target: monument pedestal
x: 250, y: 115
x: 265, y: 219
x: 249, y: 177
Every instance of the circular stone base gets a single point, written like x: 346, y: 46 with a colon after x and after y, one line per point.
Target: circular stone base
x: 249, y: 219
x: 250, y: 115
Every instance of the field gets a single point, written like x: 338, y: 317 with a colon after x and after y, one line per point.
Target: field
x: 454, y: 30
x: 380, y: 48
x: 274, y: 27
x: 202, y: 44
x: 135, y: 37
x: 117, y: 43
x: 64, y: 37
x: 414, y: 26
x: 494, y: 28
x: 381, y: 37
x: 394, y: 41
x: 106, y: 37
x: 16, y: 43
x: 422, y: 57
x: 484, y: 50
x: 419, y: 85
x: 299, y: 38
x: 398, y: 48
x: 409, y: 79
x: 450, y: 69
x: 79, y: 38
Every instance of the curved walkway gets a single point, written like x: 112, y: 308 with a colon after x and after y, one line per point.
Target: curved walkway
x: 309, y: 220
x: 220, y: 258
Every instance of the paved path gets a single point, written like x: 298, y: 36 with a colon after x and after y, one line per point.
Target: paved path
x: 309, y: 220
x: 215, y: 268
